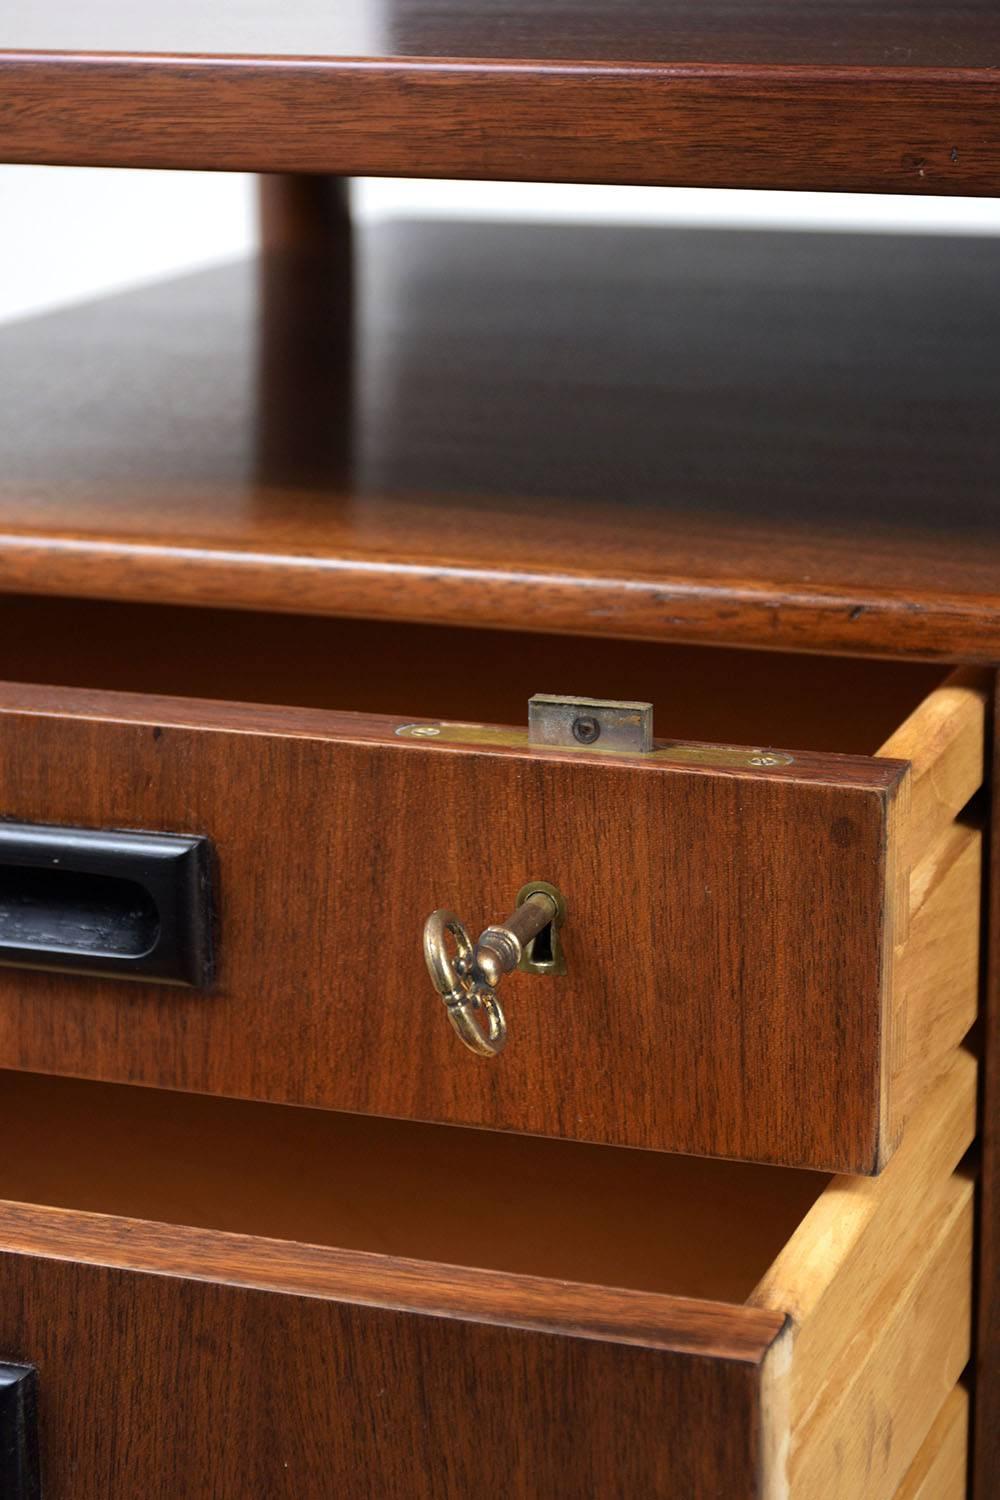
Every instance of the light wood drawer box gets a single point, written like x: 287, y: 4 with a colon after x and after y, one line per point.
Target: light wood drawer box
x: 940, y: 1469
x: 233, y: 1299
x: 766, y: 961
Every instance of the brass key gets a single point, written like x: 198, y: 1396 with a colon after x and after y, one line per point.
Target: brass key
x: 468, y: 982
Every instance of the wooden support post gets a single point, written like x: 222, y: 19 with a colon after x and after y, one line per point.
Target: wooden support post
x: 305, y: 213
x: 305, y: 335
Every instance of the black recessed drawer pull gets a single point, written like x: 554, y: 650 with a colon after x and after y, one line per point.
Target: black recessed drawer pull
x: 19, y: 1476
x: 129, y: 905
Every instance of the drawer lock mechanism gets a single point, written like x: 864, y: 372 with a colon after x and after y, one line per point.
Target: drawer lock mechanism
x: 467, y: 980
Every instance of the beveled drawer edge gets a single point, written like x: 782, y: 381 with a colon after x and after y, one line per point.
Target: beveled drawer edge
x: 878, y: 774
x: 646, y: 1319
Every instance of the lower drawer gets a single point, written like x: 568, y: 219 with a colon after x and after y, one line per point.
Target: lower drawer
x: 227, y: 1299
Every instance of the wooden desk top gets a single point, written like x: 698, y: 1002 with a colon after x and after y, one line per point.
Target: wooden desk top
x: 760, y: 439
x: 818, y: 33
x: 880, y: 95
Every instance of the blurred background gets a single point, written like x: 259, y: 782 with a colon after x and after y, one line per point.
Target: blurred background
x: 73, y: 233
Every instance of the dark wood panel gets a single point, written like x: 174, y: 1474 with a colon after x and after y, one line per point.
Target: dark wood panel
x: 986, y: 1408
x: 725, y: 947
x: 749, y: 438
x: 868, y: 33
x: 206, y: 1389
x: 896, y: 130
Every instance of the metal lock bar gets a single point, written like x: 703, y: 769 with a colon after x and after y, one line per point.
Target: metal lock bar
x: 612, y: 723
x: 592, y: 726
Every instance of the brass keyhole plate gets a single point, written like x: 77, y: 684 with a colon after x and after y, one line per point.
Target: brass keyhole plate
x: 554, y: 960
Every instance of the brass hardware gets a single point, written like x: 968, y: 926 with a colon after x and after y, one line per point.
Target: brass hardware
x: 468, y: 981
x: 455, y: 983
x: 533, y: 961
x: 615, y: 724
x: 670, y: 752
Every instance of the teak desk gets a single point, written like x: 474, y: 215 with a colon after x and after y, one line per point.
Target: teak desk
x: 285, y: 550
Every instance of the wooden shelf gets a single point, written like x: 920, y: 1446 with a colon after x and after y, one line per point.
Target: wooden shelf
x: 760, y: 439
x: 869, y: 95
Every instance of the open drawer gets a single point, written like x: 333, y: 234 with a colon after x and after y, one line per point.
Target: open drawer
x: 234, y: 1299
x: 767, y: 954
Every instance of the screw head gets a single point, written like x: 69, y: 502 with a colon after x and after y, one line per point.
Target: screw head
x: 586, y: 729
x: 419, y: 731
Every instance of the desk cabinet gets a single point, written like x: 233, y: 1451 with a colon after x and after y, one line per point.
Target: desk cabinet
x: 286, y: 549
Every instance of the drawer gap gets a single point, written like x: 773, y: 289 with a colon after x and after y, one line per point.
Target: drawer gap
x: 637, y: 1219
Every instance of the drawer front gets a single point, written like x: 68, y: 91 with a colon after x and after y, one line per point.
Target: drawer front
x: 158, y: 1386
x: 728, y: 944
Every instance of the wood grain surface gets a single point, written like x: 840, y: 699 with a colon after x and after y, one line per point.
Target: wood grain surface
x: 877, y: 1283
x: 681, y: 1325
x: 946, y: 739
x: 691, y: 435
x: 937, y: 974
x: 940, y: 1469
x: 726, y: 938
x: 864, y: 1432
x: 841, y: 1271
x: 161, y: 1386
x: 886, y: 98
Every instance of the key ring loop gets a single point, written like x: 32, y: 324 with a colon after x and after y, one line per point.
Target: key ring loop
x: 466, y: 997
